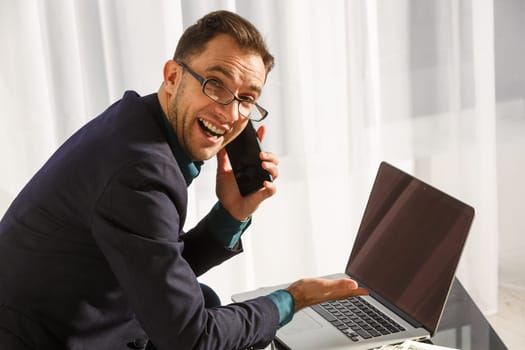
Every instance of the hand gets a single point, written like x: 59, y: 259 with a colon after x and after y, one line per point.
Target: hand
x: 311, y: 291
x: 226, y: 187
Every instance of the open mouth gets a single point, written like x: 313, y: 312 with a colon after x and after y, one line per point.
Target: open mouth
x: 210, y: 129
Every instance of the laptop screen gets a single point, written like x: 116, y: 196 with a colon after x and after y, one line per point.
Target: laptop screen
x: 409, y: 244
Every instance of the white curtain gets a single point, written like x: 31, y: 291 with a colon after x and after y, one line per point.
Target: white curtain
x: 356, y: 82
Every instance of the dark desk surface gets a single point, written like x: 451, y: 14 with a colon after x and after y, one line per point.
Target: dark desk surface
x: 463, y: 326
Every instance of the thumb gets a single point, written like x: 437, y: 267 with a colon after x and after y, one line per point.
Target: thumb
x: 261, y: 130
x: 223, y: 162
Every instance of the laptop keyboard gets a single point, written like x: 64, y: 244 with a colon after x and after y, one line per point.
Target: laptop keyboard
x: 356, y: 318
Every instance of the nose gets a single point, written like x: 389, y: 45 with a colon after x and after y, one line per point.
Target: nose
x: 230, y: 112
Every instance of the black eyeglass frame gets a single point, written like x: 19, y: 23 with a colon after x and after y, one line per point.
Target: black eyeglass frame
x: 203, y: 81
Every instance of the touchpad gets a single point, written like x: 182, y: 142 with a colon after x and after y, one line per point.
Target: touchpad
x: 301, y: 322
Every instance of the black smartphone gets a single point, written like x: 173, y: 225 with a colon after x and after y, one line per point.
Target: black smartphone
x: 243, y: 153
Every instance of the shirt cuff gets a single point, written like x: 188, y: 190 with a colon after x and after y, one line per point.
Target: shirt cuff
x: 285, y: 304
x: 225, y: 227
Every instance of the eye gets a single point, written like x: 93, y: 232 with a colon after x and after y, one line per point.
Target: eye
x: 214, y: 87
x: 215, y: 83
x: 246, y: 98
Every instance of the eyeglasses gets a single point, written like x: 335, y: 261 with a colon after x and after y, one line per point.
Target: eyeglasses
x: 220, y: 94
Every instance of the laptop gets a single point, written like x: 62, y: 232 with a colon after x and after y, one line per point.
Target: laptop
x: 406, y: 252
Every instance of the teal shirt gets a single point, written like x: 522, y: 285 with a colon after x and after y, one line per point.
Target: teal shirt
x: 226, y: 228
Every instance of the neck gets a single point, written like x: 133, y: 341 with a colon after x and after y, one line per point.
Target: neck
x: 163, y: 99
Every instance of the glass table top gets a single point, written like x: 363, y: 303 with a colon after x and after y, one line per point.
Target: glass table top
x: 462, y: 325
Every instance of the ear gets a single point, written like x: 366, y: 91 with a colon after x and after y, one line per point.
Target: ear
x: 172, y: 74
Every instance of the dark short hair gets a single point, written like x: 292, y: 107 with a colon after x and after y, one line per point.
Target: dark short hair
x: 194, y: 39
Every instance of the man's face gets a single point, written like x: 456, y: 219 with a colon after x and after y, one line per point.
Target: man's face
x: 203, y: 126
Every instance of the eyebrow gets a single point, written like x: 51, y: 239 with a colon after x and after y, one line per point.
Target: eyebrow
x: 229, y: 75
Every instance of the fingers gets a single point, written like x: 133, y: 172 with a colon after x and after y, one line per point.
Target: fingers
x: 360, y: 291
x: 270, y: 163
x: 268, y: 190
x: 343, y: 288
x: 342, y: 285
x: 270, y: 160
x: 261, y: 130
x: 311, y: 291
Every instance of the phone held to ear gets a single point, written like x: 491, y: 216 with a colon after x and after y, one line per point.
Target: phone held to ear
x: 243, y: 153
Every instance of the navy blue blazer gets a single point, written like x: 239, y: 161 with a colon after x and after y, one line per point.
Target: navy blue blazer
x: 92, y: 252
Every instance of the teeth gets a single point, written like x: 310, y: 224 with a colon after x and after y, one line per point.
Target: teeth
x: 212, y: 128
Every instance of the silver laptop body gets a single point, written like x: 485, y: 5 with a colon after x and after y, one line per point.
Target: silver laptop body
x: 405, y: 253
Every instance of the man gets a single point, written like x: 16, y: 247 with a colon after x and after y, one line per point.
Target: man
x: 92, y: 252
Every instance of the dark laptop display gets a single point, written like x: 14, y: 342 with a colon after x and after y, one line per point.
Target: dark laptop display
x: 409, y: 244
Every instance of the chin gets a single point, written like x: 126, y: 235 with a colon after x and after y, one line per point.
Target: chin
x: 203, y: 155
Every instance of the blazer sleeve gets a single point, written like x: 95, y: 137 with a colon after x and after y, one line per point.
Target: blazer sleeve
x: 136, y: 225
x: 200, y: 239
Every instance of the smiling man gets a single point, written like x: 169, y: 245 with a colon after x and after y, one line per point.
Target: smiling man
x: 92, y: 251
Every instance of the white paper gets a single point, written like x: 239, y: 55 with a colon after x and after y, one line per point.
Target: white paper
x: 412, y: 345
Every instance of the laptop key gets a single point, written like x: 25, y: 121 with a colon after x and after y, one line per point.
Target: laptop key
x: 357, y: 317
x: 374, y: 333
x: 355, y: 327
x: 364, y: 334
x: 321, y: 311
x: 383, y: 331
